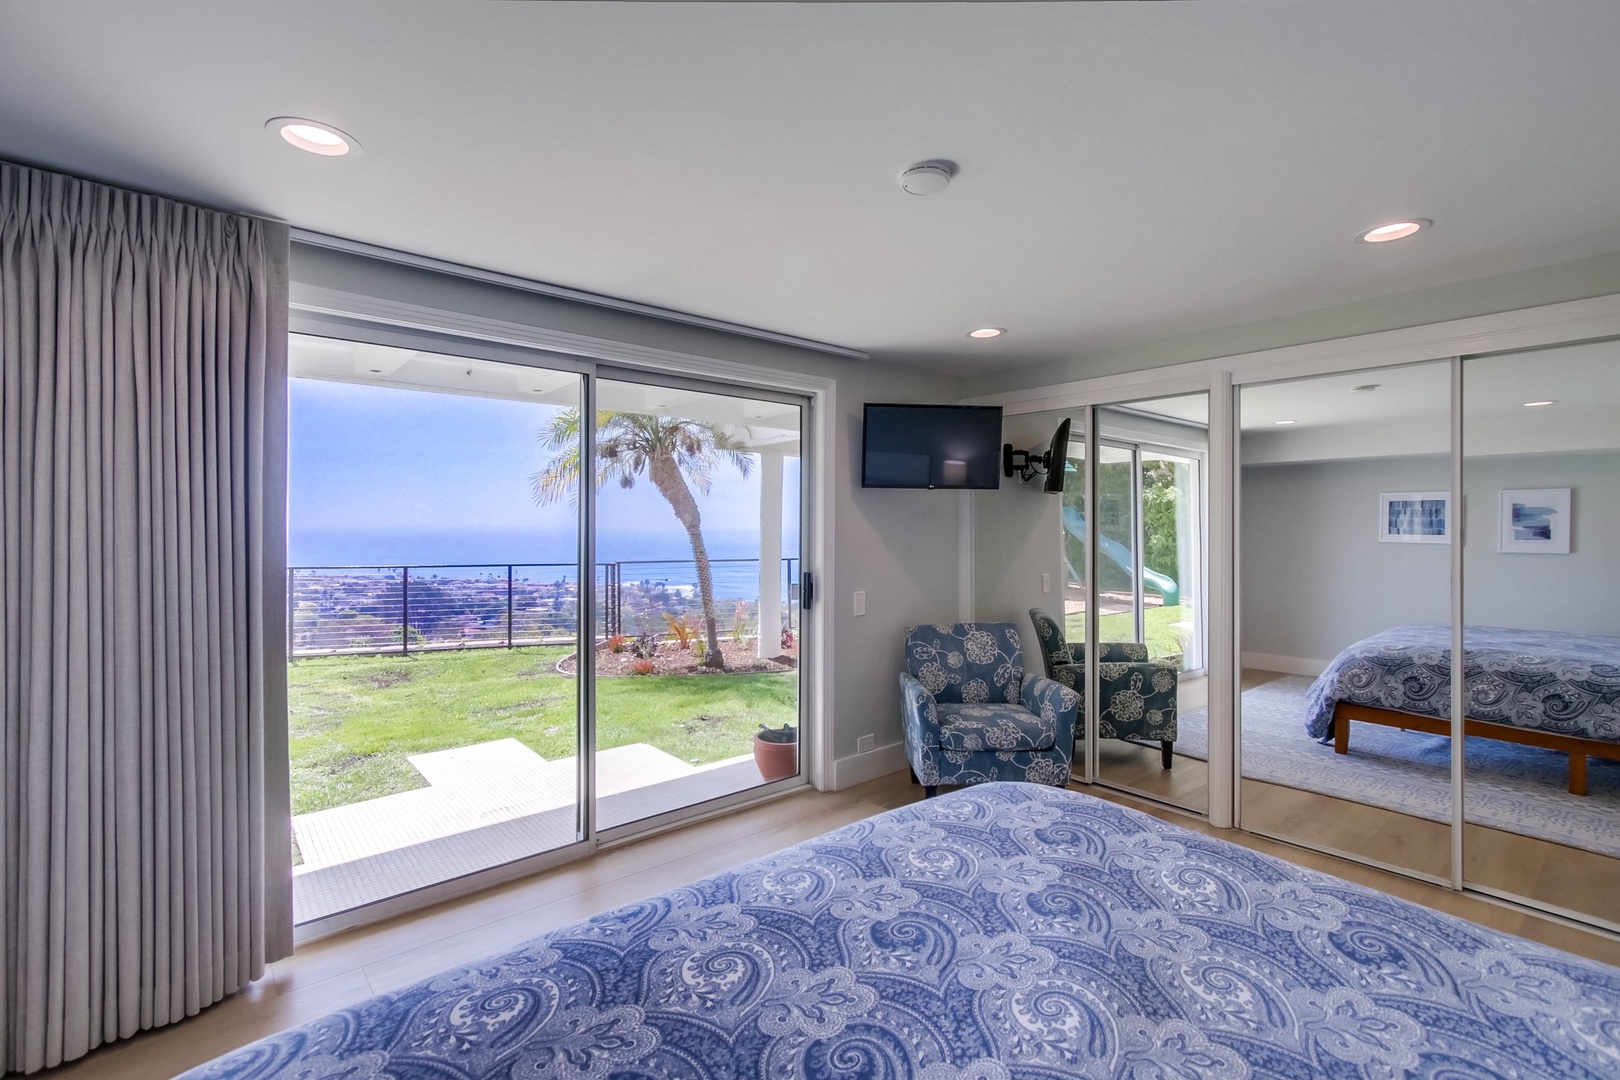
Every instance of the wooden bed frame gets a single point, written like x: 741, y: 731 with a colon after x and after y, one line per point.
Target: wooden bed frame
x: 1577, y: 748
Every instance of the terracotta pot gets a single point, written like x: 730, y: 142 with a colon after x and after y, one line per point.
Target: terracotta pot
x: 776, y: 761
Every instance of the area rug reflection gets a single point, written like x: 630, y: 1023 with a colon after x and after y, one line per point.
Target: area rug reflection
x: 1002, y: 931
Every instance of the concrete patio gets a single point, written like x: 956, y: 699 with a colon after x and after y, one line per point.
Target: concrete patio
x: 485, y: 805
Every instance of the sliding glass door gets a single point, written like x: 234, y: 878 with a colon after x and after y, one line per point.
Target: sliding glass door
x: 698, y: 567
x: 433, y: 605
x: 490, y: 663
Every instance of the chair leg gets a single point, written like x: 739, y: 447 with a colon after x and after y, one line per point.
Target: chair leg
x: 929, y: 791
x: 1164, y: 747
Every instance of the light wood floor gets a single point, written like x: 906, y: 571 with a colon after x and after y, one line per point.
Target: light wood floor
x: 1570, y: 878
x: 1554, y: 874
x: 349, y: 967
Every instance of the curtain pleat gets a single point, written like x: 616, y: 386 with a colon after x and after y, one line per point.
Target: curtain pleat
x: 141, y: 344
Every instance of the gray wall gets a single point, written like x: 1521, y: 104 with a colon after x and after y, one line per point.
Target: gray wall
x: 1017, y: 537
x: 1578, y: 592
x: 900, y: 547
x: 1316, y: 578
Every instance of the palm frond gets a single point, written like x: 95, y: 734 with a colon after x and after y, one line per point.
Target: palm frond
x: 626, y: 445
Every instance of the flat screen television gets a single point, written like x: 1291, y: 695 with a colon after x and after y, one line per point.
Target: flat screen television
x: 931, y: 446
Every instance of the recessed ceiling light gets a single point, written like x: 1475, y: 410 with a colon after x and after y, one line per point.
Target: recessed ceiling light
x: 1284, y: 423
x: 1395, y: 230
x: 1538, y: 404
x: 1365, y: 388
x: 313, y: 136
x: 987, y: 332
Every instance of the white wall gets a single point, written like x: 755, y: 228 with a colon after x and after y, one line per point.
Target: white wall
x: 1316, y: 578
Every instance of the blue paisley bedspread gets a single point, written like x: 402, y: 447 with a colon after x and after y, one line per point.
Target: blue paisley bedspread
x: 1568, y: 684
x: 1006, y: 930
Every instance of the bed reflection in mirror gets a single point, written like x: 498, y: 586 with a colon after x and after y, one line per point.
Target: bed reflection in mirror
x: 1345, y: 527
x: 1541, y: 616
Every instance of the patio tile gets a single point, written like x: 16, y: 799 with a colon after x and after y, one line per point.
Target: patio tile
x: 485, y: 805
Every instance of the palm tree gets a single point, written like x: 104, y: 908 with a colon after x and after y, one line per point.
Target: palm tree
x: 676, y: 454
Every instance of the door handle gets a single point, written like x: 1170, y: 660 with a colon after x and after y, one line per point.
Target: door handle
x: 808, y: 591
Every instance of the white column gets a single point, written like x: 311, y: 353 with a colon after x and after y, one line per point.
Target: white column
x: 770, y: 553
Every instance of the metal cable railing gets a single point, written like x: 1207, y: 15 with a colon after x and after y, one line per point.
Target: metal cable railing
x: 357, y: 610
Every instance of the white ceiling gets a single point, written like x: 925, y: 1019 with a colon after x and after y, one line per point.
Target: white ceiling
x: 1127, y: 170
x: 756, y: 423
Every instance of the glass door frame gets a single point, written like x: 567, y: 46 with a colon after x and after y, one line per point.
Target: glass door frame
x: 813, y: 397
x: 1200, y: 458
x: 809, y: 734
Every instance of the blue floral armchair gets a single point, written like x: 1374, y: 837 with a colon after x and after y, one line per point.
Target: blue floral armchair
x: 972, y: 716
x: 1138, y: 694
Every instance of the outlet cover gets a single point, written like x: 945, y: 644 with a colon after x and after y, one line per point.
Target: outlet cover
x: 866, y: 744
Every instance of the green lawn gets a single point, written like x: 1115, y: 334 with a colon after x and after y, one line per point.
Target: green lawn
x: 1164, y: 638
x: 355, y: 719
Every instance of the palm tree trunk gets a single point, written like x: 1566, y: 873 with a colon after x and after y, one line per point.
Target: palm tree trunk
x: 666, y: 477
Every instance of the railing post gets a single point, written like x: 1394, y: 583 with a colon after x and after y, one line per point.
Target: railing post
x: 618, y: 598
x: 405, y: 609
x: 508, y: 605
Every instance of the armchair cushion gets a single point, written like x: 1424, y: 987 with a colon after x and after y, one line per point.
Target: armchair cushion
x: 967, y: 663
x: 995, y: 727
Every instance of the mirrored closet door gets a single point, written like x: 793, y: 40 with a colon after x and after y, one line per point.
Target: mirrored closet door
x: 1151, y: 714
x: 1344, y: 531
x: 1541, y: 627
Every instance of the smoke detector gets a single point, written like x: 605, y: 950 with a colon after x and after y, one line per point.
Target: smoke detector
x: 926, y: 178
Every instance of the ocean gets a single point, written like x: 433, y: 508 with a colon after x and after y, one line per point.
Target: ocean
x: 651, y: 556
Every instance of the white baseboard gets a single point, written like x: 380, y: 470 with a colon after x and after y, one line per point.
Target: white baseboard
x: 859, y: 768
x: 1288, y: 665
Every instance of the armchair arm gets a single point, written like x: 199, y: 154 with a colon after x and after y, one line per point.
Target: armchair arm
x: 1139, y: 700
x: 1159, y: 680
x: 1056, y: 703
x: 918, y: 712
x: 1071, y: 675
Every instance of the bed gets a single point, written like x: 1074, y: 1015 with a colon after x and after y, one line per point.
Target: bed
x: 1539, y: 688
x: 1001, y: 931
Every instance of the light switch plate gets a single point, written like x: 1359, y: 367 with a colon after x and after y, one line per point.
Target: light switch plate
x: 866, y: 744
x: 1046, y: 583
x: 860, y: 601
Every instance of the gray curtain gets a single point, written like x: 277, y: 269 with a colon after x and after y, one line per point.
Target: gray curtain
x: 142, y: 382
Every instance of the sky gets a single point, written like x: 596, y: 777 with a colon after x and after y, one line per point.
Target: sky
x: 389, y: 475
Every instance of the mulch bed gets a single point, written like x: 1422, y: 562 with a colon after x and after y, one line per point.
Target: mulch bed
x: 669, y: 659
